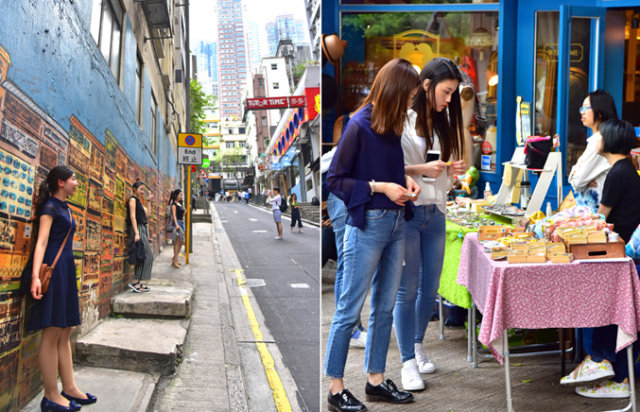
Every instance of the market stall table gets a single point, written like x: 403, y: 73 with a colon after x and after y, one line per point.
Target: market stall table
x: 540, y: 296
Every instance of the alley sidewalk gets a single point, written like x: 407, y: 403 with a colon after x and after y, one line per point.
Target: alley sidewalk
x: 199, y: 314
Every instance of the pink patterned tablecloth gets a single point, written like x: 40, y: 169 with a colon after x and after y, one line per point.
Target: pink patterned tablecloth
x: 540, y: 296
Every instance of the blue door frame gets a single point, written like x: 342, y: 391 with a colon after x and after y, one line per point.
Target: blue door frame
x: 517, y: 57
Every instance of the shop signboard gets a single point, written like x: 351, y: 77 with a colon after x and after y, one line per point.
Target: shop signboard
x: 313, y: 99
x: 577, y: 52
x: 267, y: 103
x: 297, y: 101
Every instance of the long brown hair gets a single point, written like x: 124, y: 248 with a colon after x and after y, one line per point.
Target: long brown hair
x: 389, y: 94
x: 449, y: 128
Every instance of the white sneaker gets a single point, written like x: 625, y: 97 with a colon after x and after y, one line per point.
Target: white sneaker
x: 411, y: 380
x: 358, y: 339
x: 589, y: 372
x: 608, y: 389
x: 424, y: 364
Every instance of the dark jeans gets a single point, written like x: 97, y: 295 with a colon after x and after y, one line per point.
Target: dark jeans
x: 604, y: 347
x: 295, y: 216
x: 329, y: 250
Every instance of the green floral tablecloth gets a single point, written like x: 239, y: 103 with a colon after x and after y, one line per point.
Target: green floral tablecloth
x: 449, y: 288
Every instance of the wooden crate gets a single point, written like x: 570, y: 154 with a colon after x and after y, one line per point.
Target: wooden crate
x: 597, y: 250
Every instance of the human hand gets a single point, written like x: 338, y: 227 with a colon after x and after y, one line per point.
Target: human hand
x: 412, y: 186
x: 36, y: 288
x: 459, y: 167
x: 593, y: 183
x: 396, y: 193
x: 326, y: 223
x: 433, y: 169
x: 137, y: 239
x: 150, y: 196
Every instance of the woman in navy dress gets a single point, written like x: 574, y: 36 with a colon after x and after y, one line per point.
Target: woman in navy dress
x: 56, y: 311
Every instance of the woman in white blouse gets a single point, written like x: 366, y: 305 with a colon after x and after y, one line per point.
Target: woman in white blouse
x: 434, y: 123
x: 589, y: 173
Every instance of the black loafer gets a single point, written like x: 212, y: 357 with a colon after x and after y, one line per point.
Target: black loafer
x: 344, y: 401
x: 387, y: 392
x: 90, y: 399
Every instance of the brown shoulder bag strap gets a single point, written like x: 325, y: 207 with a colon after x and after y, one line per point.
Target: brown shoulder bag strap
x: 64, y: 242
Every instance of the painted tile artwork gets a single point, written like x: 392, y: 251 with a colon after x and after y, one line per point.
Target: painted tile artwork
x: 31, y: 144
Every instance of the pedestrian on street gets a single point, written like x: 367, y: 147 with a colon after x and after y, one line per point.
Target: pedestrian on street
x: 295, y: 212
x: 177, y: 214
x: 57, y: 310
x: 246, y: 198
x: 193, y: 202
x: 138, y: 218
x: 227, y: 196
x: 276, y: 201
x: 367, y: 174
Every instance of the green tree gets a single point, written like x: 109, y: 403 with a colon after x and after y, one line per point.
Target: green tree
x: 199, y: 101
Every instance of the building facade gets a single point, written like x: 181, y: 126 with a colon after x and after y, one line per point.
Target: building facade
x: 285, y: 27
x: 312, y: 8
x: 233, y: 57
x: 255, y: 49
x: 113, y: 116
x: 274, y: 72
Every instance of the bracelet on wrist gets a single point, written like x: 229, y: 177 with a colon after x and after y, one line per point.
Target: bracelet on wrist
x: 372, y: 184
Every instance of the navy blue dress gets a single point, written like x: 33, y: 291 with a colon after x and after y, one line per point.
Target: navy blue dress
x: 59, y: 307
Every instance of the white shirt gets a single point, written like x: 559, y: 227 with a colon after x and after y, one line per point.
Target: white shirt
x: 590, y: 166
x: 275, y: 202
x: 415, y: 148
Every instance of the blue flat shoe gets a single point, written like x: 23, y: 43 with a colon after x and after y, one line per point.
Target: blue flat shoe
x: 90, y: 399
x: 48, y: 406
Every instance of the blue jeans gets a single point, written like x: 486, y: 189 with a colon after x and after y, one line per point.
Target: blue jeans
x: 338, y: 215
x: 372, y: 257
x: 425, y: 240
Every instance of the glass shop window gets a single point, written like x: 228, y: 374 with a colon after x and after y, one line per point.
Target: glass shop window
x: 469, y: 38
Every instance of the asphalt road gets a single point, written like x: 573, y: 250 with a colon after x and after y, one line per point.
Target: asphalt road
x: 290, y: 299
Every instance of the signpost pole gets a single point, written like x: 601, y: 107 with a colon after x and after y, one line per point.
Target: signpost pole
x: 188, y: 226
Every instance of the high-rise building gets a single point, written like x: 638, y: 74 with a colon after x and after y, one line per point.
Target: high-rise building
x: 233, y: 59
x: 301, y: 33
x: 255, y: 51
x: 285, y: 27
x: 206, y: 56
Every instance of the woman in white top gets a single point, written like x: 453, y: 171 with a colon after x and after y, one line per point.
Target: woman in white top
x: 434, y: 123
x: 589, y: 173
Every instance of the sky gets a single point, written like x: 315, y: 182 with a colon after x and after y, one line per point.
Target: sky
x: 202, y: 21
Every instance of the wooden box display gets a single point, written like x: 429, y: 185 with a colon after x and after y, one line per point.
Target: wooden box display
x: 492, y: 232
x: 597, y: 250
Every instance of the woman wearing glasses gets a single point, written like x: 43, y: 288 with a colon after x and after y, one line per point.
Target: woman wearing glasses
x: 589, y: 173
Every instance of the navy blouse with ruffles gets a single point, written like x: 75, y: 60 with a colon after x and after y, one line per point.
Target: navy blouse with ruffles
x: 364, y: 155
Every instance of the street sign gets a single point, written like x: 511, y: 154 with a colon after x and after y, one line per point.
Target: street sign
x: 202, y: 175
x: 206, y: 163
x: 189, y: 149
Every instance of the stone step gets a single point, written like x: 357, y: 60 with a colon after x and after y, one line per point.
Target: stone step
x: 117, y: 390
x: 168, y: 299
x: 141, y: 345
x: 201, y: 218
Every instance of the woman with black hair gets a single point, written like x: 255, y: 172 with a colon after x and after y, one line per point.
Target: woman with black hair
x: 434, y: 122
x: 295, y: 212
x: 589, y: 173
x: 177, y: 215
x: 604, y: 373
x: 57, y: 310
x: 138, y: 218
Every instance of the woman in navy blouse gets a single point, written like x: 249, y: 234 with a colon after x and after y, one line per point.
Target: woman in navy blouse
x: 367, y: 173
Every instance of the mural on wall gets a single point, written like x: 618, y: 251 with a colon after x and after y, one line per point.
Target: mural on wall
x: 31, y: 144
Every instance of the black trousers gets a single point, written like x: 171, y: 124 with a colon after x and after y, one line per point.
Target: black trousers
x: 295, y: 215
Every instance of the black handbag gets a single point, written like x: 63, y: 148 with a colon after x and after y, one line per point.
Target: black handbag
x: 536, y: 151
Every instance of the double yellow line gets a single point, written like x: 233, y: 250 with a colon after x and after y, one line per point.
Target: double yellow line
x: 279, y: 394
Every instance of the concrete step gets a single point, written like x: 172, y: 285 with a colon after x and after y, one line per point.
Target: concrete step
x: 117, y: 390
x: 201, y: 218
x: 168, y: 299
x: 141, y: 345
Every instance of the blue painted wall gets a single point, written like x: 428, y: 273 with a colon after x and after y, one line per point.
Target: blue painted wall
x: 57, y: 63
